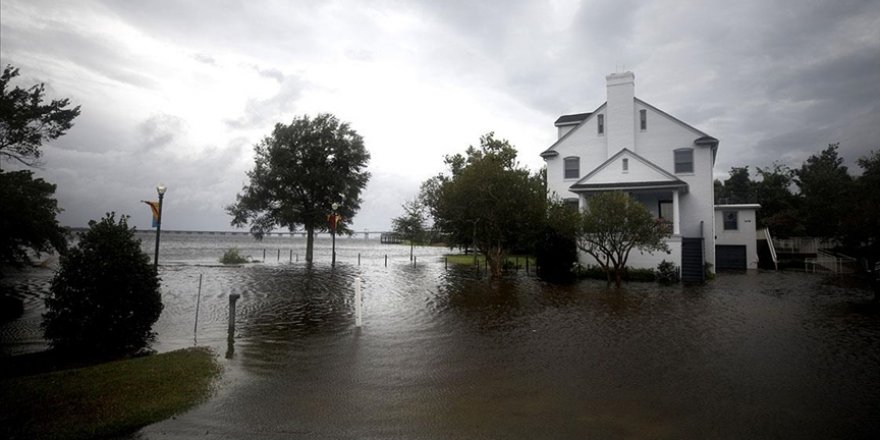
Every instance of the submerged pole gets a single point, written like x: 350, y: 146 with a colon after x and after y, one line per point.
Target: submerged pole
x: 386, y: 260
x: 232, y: 299
x: 358, y: 303
x: 198, y: 303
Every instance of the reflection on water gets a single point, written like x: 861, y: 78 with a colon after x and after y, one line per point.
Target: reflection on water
x: 443, y: 354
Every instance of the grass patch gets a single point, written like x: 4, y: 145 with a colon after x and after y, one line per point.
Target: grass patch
x: 481, y: 260
x: 107, y: 399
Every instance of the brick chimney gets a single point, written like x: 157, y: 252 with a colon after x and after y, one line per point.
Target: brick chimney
x: 620, y: 113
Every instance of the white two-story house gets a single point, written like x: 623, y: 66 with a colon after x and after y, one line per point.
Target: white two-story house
x: 629, y: 145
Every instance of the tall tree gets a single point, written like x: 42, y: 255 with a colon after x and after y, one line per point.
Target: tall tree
x: 738, y: 188
x: 613, y: 225
x: 27, y: 218
x: 26, y: 121
x: 860, y: 226
x: 410, y: 225
x: 824, y: 185
x: 487, y: 200
x: 299, y: 172
x: 779, y: 206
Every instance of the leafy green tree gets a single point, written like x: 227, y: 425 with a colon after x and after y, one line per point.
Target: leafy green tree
x: 411, y: 225
x: 26, y: 121
x: 779, y: 206
x: 105, y: 297
x: 824, y: 185
x: 613, y: 225
x: 487, y: 201
x: 556, y: 247
x: 299, y: 172
x: 738, y: 188
x: 860, y: 226
x: 27, y: 218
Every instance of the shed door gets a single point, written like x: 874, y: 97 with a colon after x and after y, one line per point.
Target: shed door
x: 730, y: 257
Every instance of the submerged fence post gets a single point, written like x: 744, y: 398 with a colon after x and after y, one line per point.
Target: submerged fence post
x: 358, y: 303
x: 446, y: 263
x: 386, y: 260
x: 198, y: 303
x: 415, y: 260
x: 291, y: 255
x: 230, y: 341
x: 232, y: 299
x: 359, y: 258
x: 264, y: 255
x: 279, y: 255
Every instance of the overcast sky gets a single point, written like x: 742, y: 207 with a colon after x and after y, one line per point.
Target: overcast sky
x: 179, y: 91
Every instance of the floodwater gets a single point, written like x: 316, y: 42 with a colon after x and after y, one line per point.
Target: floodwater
x: 447, y: 354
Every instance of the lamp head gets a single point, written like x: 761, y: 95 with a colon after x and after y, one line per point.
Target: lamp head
x: 161, y: 189
x: 335, y: 206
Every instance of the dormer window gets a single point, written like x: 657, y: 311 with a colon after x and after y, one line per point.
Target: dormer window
x: 684, y: 160
x: 643, y: 119
x: 625, y: 163
x: 600, y: 121
x: 572, y: 166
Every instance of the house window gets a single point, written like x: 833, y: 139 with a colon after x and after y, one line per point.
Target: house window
x: 572, y: 167
x: 643, y: 119
x: 730, y: 220
x: 600, y: 120
x: 572, y: 204
x: 625, y: 163
x: 684, y: 160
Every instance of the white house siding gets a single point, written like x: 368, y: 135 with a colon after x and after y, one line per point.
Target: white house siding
x: 583, y: 142
x: 644, y: 260
x: 745, y: 234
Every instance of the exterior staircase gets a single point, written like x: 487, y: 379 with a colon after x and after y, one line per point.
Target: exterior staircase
x: 692, y: 260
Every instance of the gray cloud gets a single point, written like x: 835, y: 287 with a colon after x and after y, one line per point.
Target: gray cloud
x: 773, y: 80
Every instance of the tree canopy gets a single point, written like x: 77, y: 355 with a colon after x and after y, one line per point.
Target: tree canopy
x: 300, y: 170
x: 26, y: 120
x: 487, y: 200
x: 411, y: 225
x: 613, y: 225
x: 27, y: 218
x: 824, y: 184
x: 105, y: 297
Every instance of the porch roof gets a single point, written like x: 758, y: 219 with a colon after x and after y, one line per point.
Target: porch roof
x: 628, y: 186
x: 644, y: 175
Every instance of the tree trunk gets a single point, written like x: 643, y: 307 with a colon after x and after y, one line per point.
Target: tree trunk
x: 617, y: 278
x: 310, y: 243
x: 495, y: 258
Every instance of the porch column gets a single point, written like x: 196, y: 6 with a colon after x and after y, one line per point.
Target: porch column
x: 676, y: 215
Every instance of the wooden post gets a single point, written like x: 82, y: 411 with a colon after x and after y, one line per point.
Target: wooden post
x: 415, y: 260
x: 264, y: 255
x: 232, y: 299
x: 279, y: 255
x: 291, y: 255
x: 386, y: 260
x: 358, y: 303
x: 198, y: 303
x: 446, y: 263
x: 359, y: 258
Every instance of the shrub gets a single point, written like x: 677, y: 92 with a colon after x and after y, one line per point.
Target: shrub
x: 105, y: 297
x: 667, y: 272
x: 231, y: 256
x: 644, y: 275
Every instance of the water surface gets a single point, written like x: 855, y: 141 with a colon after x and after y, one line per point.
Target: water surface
x: 447, y: 354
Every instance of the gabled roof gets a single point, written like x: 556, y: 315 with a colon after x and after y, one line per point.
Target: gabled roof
x: 573, y: 119
x: 704, y: 140
x: 650, y: 177
x: 549, y: 151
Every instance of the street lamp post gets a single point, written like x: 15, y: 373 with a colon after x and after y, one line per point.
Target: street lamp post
x: 334, y: 218
x: 161, y: 190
